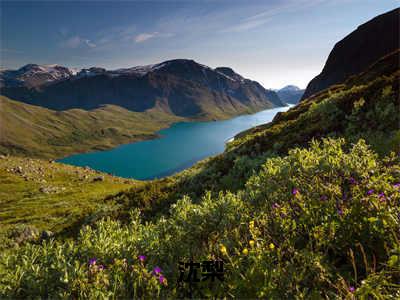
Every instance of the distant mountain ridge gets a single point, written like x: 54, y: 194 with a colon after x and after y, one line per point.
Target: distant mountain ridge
x: 358, y: 50
x: 290, y: 94
x: 181, y: 87
x: 32, y: 75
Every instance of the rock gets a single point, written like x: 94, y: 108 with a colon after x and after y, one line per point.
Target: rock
x: 44, y: 190
x: 51, y: 161
x: 28, y: 233
x: 48, y: 189
x: 3, y: 157
x: 98, y: 178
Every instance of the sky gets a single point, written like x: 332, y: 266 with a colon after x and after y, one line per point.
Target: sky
x: 275, y: 42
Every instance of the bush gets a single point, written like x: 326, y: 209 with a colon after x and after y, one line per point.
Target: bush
x: 318, y: 223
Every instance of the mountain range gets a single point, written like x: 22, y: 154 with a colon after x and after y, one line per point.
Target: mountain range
x: 290, y: 94
x: 180, y: 87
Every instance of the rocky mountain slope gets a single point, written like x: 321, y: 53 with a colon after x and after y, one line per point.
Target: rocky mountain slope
x: 290, y: 94
x: 33, y: 75
x: 357, y: 51
x: 180, y: 87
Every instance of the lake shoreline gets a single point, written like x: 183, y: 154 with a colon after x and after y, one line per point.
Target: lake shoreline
x: 147, y: 137
x: 171, y: 149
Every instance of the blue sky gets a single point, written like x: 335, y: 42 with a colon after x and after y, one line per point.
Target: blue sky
x: 273, y: 42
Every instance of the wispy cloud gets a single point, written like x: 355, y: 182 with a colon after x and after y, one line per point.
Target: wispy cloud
x: 142, y: 37
x: 244, y: 26
x: 8, y: 50
x: 76, y: 41
x: 267, y: 15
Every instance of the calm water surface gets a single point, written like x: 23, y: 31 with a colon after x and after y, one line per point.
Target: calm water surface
x: 180, y: 146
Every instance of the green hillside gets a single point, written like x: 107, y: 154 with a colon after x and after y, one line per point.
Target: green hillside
x: 306, y: 206
x: 38, y: 195
x: 35, y: 131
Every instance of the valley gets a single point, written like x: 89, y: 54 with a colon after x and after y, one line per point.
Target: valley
x: 179, y: 147
x: 128, y: 105
x: 303, y: 203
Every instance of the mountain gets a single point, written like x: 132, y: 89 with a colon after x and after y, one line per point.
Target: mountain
x: 33, y: 75
x: 357, y: 51
x: 180, y: 87
x: 290, y: 94
x: 306, y: 206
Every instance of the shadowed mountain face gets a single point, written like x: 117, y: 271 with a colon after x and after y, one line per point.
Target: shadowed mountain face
x: 361, y: 48
x: 181, y: 87
x: 290, y: 94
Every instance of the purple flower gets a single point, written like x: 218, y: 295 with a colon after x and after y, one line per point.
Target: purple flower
x: 382, y: 196
x: 275, y: 205
x: 156, y: 270
x: 295, y: 191
x: 161, y: 279
x: 92, y: 261
x: 142, y: 258
x: 101, y: 268
x: 370, y: 192
x: 340, y: 212
x: 397, y: 185
x: 352, y: 289
x: 352, y: 180
x: 324, y: 197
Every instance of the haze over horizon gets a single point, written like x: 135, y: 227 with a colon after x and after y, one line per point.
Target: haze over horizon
x: 276, y: 43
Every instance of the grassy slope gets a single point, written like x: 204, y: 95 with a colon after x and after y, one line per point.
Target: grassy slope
x: 50, y: 196
x: 39, y: 132
x: 27, y: 130
x: 331, y: 113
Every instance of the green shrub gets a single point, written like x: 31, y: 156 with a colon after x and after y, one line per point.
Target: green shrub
x: 318, y: 223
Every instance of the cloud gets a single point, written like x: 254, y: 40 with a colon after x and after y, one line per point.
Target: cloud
x: 90, y: 44
x: 76, y: 41
x: 245, y: 25
x: 267, y: 15
x: 142, y: 37
x: 8, y: 50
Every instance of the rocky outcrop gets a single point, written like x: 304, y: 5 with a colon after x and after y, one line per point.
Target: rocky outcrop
x: 357, y: 51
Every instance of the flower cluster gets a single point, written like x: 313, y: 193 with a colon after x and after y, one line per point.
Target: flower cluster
x: 157, y: 273
x: 94, y: 267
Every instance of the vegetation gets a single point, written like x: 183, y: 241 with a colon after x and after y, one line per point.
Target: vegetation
x: 35, y: 131
x: 319, y: 222
x: 307, y: 206
x: 37, y: 195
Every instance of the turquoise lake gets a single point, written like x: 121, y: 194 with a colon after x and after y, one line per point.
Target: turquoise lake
x: 180, y: 146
